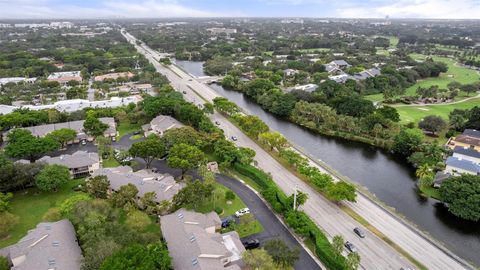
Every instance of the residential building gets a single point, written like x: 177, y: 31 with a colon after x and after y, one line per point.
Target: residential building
x: 194, y: 244
x: 470, y: 138
x: 72, y: 105
x: 336, y: 65
x: 42, y: 130
x: 458, y: 166
x: 216, y: 31
x: 80, y: 163
x: 51, y: 245
x: 342, y: 78
x: 135, y: 89
x: 160, y: 124
x: 114, y: 76
x: 164, y: 185
x: 369, y: 73
x: 467, y: 153
x: 65, y: 76
x: 307, y: 87
x: 290, y: 72
x: 16, y: 80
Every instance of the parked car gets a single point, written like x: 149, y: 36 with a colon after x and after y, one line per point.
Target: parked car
x: 84, y: 142
x: 251, y: 244
x: 350, y: 247
x: 189, y: 80
x: 154, y: 170
x: 242, y: 212
x: 114, y: 139
x: 227, y: 221
x: 137, y: 132
x: 184, y: 92
x: 359, y: 232
x: 234, y: 138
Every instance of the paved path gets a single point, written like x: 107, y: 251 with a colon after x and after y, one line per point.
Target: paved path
x: 437, y: 104
x: 374, y: 252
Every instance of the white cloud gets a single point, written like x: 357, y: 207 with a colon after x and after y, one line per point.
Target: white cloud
x: 438, y: 9
x: 37, y: 9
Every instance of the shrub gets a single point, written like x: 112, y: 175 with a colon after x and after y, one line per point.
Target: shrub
x: 53, y: 214
x: 7, y: 222
x: 4, y: 265
x: 261, y: 178
x: 69, y: 203
x: 229, y: 195
x: 218, y: 210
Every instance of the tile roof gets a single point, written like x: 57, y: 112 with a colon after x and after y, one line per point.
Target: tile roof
x: 468, y: 140
x: 50, y: 245
x: 466, y: 151
x: 76, y: 160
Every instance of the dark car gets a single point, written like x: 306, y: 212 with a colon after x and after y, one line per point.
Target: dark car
x: 227, y: 221
x: 137, y: 132
x: 184, y: 92
x: 217, y: 123
x: 359, y: 232
x: 234, y: 138
x: 350, y: 247
x: 251, y: 244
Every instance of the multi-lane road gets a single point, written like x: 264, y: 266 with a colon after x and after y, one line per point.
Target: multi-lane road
x: 375, y: 253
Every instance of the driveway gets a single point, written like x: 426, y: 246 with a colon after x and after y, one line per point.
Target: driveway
x: 124, y: 143
x: 271, y: 225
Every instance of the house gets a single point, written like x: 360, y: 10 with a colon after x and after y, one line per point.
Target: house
x: 42, y: 130
x: 469, y: 138
x: 64, y: 77
x: 164, y: 185
x: 336, y: 65
x: 16, y: 80
x: 51, y: 245
x: 113, y: 76
x: 135, y: 89
x: 342, y: 78
x: 307, y: 87
x: 290, y: 72
x: 160, y: 124
x: 369, y: 73
x: 467, y: 153
x: 194, y: 244
x: 80, y: 163
x: 217, y: 31
x: 458, y: 166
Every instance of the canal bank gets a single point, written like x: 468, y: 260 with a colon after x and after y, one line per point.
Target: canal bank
x: 386, y: 176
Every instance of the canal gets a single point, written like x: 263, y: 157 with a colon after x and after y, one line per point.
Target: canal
x: 386, y: 176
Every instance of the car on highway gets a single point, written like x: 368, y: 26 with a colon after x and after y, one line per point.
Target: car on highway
x: 234, y: 138
x: 189, y: 80
x: 185, y: 92
x: 84, y: 142
x: 217, y: 123
x: 251, y: 244
x: 242, y: 212
x: 350, y: 247
x: 359, y: 232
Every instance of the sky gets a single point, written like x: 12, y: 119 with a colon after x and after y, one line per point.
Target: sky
x: 76, y: 9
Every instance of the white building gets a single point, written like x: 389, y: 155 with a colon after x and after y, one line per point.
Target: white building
x: 16, y: 80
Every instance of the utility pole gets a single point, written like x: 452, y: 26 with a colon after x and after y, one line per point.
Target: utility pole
x: 295, y: 198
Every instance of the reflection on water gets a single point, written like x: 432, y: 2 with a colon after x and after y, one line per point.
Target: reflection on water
x: 387, y: 176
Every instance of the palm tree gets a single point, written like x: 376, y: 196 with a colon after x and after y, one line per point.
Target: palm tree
x: 424, y: 171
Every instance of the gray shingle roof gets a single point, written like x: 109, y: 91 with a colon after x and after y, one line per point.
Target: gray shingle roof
x: 48, y: 246
x: 472, y: 133
x: 75, y: 160
x: 463, y: 164
x: 164, y: 186
x: 163, y: 123
x: 192, y: 247
x: 466, y: 151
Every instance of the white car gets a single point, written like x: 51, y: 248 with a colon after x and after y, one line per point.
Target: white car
x: 242, y: 212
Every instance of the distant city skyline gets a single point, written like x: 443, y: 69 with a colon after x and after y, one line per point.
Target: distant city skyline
x: 77, y: 9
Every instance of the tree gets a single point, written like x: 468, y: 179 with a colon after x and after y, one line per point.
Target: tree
x: 424, y: 172
x: 149, y: 149
x: 149, y: 202
x: 185, y: 157
x: 63, y: 135
x: 462, y: 194
x: 407, y: 140
x: 340, y: 191
x: 5, y: 201
x: 273, y: 139
x: 258, y: 259
x: 432, y: 123
x: 153, y: 256
x: 245, y: 155
x: 93, y: 126
x: 125, y: 195
x: 301, y: 199
x: 186, y: 135
x: 51, y: 177
x: 389, y: 113
x: 22, y: 144
x: 229, y: 195
x: 97, y: 186
x: 7, y: 222
x: 137, y: 220
x: 192, y: 195
x: 337, y: 244
x: 353, y: 260
x: 68, y: 204
x: 281, y: 254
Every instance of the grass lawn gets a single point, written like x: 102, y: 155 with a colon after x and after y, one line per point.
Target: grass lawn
x: 110, y: 162
x: 454, y: 73
x: 375, y: 97
x: 136, y: 137
x: 126, y: 127
x: 416, y: 113
x: 218, y: 200
x: 249, y: 228
x: 430, y: 192
x: 30, y: 205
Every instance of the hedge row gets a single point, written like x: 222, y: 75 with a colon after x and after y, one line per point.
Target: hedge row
x: 297, y: 220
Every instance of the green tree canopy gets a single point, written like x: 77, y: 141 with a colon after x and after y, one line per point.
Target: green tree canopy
x: 63, y: 135
x: 149, y: 149
x: 281, y: 254
x: 258, y: 259
x: 93, y: 126
x: 22, y: 144
x: 97, y: 186
x: 150, y: 257
x: 340, y: 191
x: 51, y: 177
x: 185, y: 157
x: 462, y: 194
x: 432, y: 123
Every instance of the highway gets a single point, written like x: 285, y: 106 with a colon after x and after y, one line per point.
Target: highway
x: 375, y: 253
